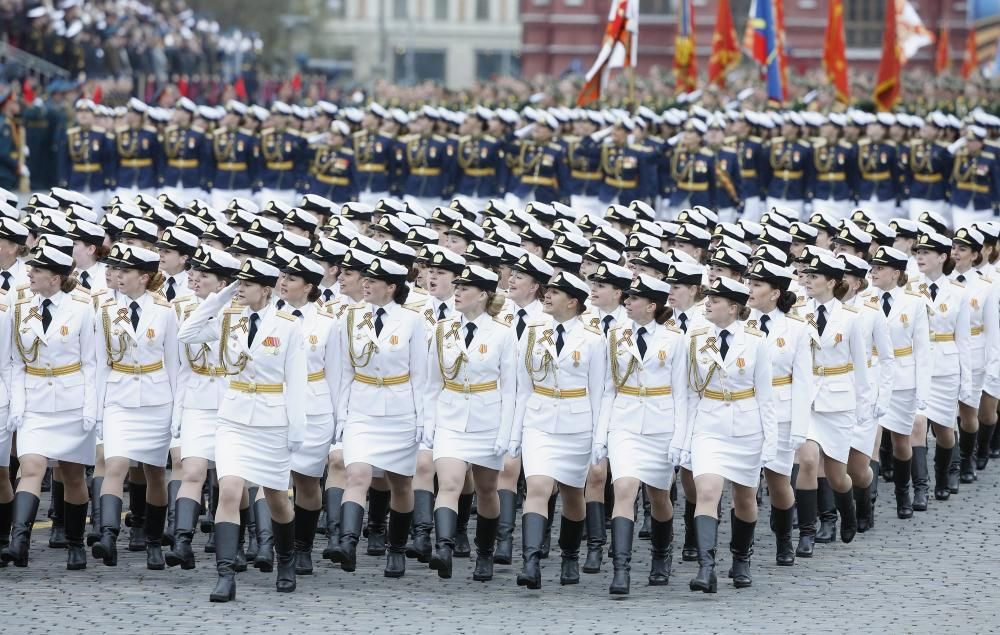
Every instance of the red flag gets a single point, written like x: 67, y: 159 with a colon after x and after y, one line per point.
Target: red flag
x: 297, y: 82
x: 887, y: 82
x: 725, y: 49
x: 835, y: 51
x: 971, y: 60
x: 240, y: 88
x: 619, y: 49
x: 98, y: 95
x: 779, y: 17
x: 27, y: 91
x: 183, y: 87
x: 942, y: 58
x: 685, y: 59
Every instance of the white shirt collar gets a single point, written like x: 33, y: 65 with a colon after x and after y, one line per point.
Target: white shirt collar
x: 56, y: 299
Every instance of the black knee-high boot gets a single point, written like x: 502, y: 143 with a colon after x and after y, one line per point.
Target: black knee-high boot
x: 111, y: 514
x: 305, y: 535
x: 185, y: 517
x: 848, y: 514
x: 741, y: 547
x: 942, y: 463
x: 621, y: 554
x: 661, y: 551
x: 345, y: 551
x: 863, y: 507
x: 983, y: 438
x: 76, y: 528
x: 570, y: 536
x: 689, y: 552
x: 264, y: 562
x: 486, y: 536
x: 399, y: 531
x: 423, y: 522
x: 445, y: 522
x: 462, y: 547
x: 547, y: 538
x: 378, y: 510
x: 241, y: 555
x: 137, y: 518
x: 645, y: 529
x: 597, y: 537
x: 284, y: 552
x: 57, y: 534
x: 25, y: 508
x: 901, y: 476
x: 156, y: 516
x: 6, y: 518
x: 706, y: 534
x: 532, y: 533
x: 226, y: 535
x: 95, y: 510
x: 168, y: 534
x: 967, y: 451
x: 827, y: 510
x: 781, y: 524
x: 921, y: 481
x: 332, y: 499
x: 805, y: 503
x: 505, y: 527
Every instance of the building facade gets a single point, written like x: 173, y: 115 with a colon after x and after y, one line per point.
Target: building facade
x: 561, y: 35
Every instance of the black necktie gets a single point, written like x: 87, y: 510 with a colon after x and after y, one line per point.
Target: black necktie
x: 297, y: 313
x: 683, y: 319
x: 441, y: 311
x: 378, y: 321
x: 85, y: 280
x: 559, y: 338
x: 640, y: 341
x: 520, y: 322
x: 764, y: 319
x: 470, y: 330
x: 821, y: 320
x: 886, y: 304
x: 46, y: 316
x: 327, y: 294
x: 934, y: 289
x: 5, y: 285
x: 961, y: 278
x: 724, y: 345
x: 607, y: 323
x: 280, y: 304
x: 135, y: 315
x: 171, y: 294
x: 254, y: 318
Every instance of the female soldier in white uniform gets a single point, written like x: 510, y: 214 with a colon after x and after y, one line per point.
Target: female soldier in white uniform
x: 560, y: 383
x: 645, y: 400
x: 469, y: 412
x: 201, y: 387
x: 52, y: 412
x: 733, y: 431
x: 791, y: 363
x: 948, y: 307
x: 262, y: 417
x: 300, y: 290
x: 906, y: 314
x: 380, y: 407
x: 842, y: 399
x: 137, y: 364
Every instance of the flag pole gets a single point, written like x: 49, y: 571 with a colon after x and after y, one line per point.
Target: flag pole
x: 631, y: 89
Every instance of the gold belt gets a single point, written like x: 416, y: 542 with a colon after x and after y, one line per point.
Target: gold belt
x: 476, y: 172
x: 981, y: 189
x: 136, y: 163
x: 646, y: 391
x: 725, y: 395
x: 832, y: 176
x: 425, y: 171
x: 875, y: 176
x: 250, y: 387
x: 212, y: 371
x: 183, y: 163
x: 977, y: 330
x: 539, y: 180
x: 137, y: 369
x: 693, y: 187
x: 928, y: 178
x: 789, y: 174
x: 395, y: 380
x: 231, y: 167
x: 828, y: 371
x: 279, y: 165
x: 784, y: 380
x: 86, y: 167
x: 906, y: 351
x: 586, y: 176
x: 560, y: 393
x: 57, y: 371
x: 746, y: 174
x: 319, y: 375
x: 942, y: 337
x: 371, y: 167
x: 621, y: 184
x: 333, y: 180
x: 455, y: 386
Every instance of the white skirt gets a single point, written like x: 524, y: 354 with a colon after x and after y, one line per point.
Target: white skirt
x: 472, y: 447
x: 641, y: 456
x: 388, y: 443
x: 784, y: 458
x: 58, y: 436
x: 736, y: 459
x: 902, y: 409
x: 832, y: 431
x: 863, y: 436
x: 942, y: 402
x: 139, y: 434
x: 310, y: 459
x: 256, y: 454
x: 198, y: 433
x: 563, y: 457
x: 6, y: 441
x: 978, y: 381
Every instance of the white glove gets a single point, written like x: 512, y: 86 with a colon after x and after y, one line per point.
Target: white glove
x: 419, y: 436
x: 25, y: 172
x: 678, y: 455
x: 877, y: 411
x: 338, y: 433
x: 598, y: 453
x: 175, y: 425
x: 100, y: 429
x: 426, y: 436
x: 797, y: 443
x: 514, y: 449
x: 294, y: 446
x: 968, y: 397
x: 14, y: 423
x: 921, y: 406
x: 89, y: 424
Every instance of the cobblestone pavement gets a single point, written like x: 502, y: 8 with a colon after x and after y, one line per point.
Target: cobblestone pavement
x: 931, y: 574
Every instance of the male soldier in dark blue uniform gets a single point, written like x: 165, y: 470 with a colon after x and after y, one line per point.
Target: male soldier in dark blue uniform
x: 235, y: 158
x: 728, y: 202
x: 585, y: 174
x: 187, y: 151
x: 332, y: 171
x: 975, y: 180
x: 376, y: 155
x: 835, y: 177
x: 283, y: 158
x: 878, y: 185
x: 428, y: 161
x: 39, y: 137
x: 752, y: 157
x: 137, y: 154
x: 629, y: 171
x: 86, y: 156
x: 480, y: 161
x: 926, y: 165
x: 11, y: 167
x: 791, y: 165
x: 692, y: 170
x: 538, y: 166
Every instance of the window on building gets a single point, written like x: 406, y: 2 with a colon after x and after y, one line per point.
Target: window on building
x: 412, y: 66
x: 483, y: 10
x: 401, y: 9
x: 656, y: 7
x: 441, y: 9
x: 337, y: 8
x: 490, y: 64
x: 864, y: 22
